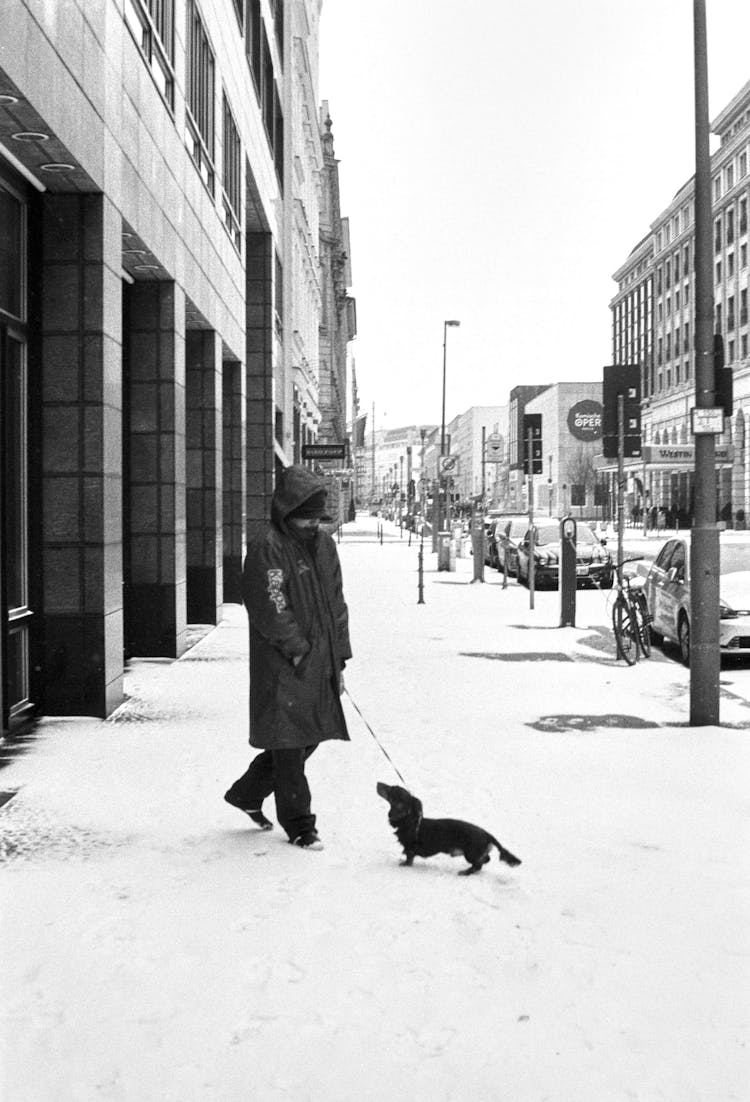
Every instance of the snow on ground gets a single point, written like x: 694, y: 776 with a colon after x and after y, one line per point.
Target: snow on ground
x: 156, y: 948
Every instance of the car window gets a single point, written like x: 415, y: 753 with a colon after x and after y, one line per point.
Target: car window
x: 677, y: 561
x: 517, y: 528
x: 546, y: 535
x: 734, y: 557
x: 584, y: 534
x: 662, y: 559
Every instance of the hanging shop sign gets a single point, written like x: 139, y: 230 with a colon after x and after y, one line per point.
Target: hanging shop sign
x: 682, y: 455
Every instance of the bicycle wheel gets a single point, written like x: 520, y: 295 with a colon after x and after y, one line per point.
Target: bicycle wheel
x: 626, y: 630
x: 643, y: 621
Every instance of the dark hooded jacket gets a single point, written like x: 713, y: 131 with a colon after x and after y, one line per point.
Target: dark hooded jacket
x: 295, y: 604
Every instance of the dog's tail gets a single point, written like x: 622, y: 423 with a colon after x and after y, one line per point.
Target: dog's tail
x: 506, y: 856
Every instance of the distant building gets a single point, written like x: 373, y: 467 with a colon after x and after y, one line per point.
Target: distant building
x: 465, y: 433
x: 571, y: 424
x: 653, y: 326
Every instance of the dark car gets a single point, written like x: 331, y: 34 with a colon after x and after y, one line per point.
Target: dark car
x: 505, y: 537
x: 593, y: 560
x: 667, y: 589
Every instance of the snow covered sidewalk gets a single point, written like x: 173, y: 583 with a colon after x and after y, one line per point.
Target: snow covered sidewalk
x: 156, y: 947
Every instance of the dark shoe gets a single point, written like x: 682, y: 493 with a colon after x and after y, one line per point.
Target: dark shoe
x: 307, y: 840
x: 255, y: 813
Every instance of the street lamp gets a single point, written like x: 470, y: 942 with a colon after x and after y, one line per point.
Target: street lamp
x: 442, y: 422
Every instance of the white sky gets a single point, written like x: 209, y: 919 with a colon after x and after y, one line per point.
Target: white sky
x: 498, y: 162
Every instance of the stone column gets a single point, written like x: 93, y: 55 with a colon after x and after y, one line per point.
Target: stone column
x: 234, y: 478
x: 203, y: 476
x: 260, y: 403
x: 154, y: 469
x: 80, y: 526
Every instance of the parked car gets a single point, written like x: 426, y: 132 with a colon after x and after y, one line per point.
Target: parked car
x: 667, y: 589
x: 506, y: 535
x: 593, y: 560
x: 490, y: 520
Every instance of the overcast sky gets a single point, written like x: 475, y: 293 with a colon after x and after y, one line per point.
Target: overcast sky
x: 498, y: 163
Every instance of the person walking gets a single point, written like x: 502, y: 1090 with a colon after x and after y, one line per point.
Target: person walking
x: 299, y: 645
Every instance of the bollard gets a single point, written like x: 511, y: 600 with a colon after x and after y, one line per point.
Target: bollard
x: 420, y: 600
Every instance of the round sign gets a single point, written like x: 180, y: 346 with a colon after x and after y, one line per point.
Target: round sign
x: 585, y: 420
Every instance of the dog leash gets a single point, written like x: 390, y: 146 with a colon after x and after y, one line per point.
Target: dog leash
x: 377, y: 740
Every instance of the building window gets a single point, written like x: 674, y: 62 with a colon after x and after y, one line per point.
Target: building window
x: 729, y: 177
x: 677, y: 302
x: 667, y: 274
x: 686, y: 337
x: 743, y: 256
x: 151, y: 22
x: 742, y: 165
x: 238, y: 10
x: 743, y: 306
x: 278, y: 25
x: 743, y: 346
x: 676, y: 266
x: 201, y: 76
x: 717, y: 189
x: 718, y: 271
x: 730, y: 312
x: 718, y: 318
x: 687, y: 370
x: 253, y: 29
x: 232, y: 174
x: 730, y: 265
x: 686, y: 261
x: 743, y: 215
x: 730, y: 226
x: 717, y: 235
x: 730, y: 352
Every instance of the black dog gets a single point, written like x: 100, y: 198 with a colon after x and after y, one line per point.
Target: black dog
x: 426, y: 837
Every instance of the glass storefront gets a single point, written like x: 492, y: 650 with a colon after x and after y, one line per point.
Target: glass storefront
x: 16, y: 613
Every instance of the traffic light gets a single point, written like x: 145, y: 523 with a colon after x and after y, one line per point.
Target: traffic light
x: 626, y: 380
x: 723, y: 388
x: 532, y: 427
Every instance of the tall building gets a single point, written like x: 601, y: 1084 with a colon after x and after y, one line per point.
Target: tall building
x: 653, y: 326
x: 161, y: 168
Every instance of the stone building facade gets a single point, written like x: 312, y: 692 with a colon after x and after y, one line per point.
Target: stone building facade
x: 156, y: 308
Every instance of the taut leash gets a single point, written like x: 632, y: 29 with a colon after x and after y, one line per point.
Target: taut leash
x: 377, y: 740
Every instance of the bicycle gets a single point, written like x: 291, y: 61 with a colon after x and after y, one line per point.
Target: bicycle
x: 630, y: 616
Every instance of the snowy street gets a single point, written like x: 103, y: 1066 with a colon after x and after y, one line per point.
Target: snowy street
x: 156, y: 947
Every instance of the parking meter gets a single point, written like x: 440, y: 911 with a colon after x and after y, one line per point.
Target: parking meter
x: 567, y: 573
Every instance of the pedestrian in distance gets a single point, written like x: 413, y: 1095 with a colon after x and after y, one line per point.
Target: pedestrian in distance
x: 299, y: 645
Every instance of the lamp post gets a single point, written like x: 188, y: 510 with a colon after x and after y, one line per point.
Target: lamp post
x: 442, y: 421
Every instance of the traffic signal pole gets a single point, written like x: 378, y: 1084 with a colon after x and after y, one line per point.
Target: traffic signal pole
x: 704, y: 549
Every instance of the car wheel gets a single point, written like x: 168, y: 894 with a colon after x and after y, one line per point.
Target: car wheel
x: 683, y: 638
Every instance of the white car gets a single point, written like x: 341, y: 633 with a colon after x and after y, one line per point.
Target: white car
x: 667, y: 589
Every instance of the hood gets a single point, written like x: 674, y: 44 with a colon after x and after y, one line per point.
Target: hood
x: 293, y: 486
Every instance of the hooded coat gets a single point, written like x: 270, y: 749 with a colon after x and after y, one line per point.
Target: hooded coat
x: 293, y: 595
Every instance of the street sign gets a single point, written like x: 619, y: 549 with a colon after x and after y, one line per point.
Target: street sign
x: 324, y: 451
x: 709, y: 421
x: 448, y: 464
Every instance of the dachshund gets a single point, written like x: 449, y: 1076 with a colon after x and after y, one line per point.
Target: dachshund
x: 421, y: 837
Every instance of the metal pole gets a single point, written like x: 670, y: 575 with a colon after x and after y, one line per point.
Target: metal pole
x: 532, y: 568
x: 704, y: 549
x: 620, y: 477
x: 443, y: 481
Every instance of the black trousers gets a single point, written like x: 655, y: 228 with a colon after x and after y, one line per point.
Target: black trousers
x: 283, y: 773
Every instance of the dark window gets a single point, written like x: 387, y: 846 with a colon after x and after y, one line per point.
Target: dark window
x: 11, y: 269
x: 253, y: 30
x: 201, y: 93
x: 238, y: 6
x: 232, y: 173
x: 577, y: 494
